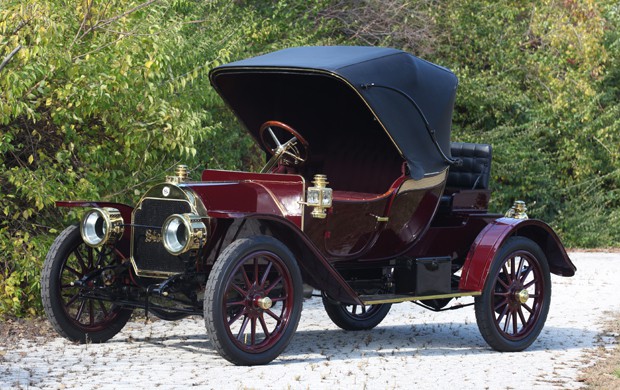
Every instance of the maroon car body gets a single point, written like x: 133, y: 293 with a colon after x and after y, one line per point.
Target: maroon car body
x: 364, y: 199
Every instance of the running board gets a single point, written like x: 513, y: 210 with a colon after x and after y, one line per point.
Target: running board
x: 396, y: 298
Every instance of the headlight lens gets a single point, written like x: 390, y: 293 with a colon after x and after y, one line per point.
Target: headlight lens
x: 183, y: 232
x: 101, y: 225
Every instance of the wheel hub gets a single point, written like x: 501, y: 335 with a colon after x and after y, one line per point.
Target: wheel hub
x: 523, y: 296
x: 264, y: 303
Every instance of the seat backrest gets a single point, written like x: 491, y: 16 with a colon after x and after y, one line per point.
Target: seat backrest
x: 475, y: 171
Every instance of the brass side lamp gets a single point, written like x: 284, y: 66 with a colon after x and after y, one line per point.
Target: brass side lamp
x: 319, y: 196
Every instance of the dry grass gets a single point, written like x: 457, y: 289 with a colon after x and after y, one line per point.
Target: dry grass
x: 605, y: 372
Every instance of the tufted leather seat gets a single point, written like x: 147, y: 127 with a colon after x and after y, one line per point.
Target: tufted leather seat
x: 475, y: 171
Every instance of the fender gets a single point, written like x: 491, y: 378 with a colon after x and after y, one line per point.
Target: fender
x: 123, y: 208
x: 492, y: 237
x: 316, y: 269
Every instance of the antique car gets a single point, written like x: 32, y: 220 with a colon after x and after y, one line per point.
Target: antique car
x: 363, y: 199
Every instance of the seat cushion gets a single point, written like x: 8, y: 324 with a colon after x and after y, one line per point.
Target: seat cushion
x: 475, y: 171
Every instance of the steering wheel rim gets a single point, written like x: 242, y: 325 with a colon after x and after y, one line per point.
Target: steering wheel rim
x: 287, y: 150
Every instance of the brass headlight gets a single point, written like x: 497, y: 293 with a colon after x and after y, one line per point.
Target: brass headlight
x: 183, y: 232
x: 101, y: 225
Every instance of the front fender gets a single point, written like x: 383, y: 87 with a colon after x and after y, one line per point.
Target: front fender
x: 316, y: 269
x: 491, y: 238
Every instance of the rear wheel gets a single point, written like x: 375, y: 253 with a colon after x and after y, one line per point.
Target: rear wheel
x: 72, y: 315
x: 253, y: 300
x: 355, y: 317
x: 513, y: 307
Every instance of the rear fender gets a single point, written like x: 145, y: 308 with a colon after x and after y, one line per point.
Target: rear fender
x: 125, y: 210
x: 492, y: 237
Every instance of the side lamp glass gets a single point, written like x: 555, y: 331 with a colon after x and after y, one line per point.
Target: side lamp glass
x: 319, y: 196
x: 517, y: 211
x: 101, y: 226
x: 183, y: 232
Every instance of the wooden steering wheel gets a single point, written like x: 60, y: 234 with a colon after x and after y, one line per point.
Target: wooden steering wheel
x: 285, y: 144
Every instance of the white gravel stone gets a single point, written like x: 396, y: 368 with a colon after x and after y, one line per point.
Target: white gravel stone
x: 412, y: 348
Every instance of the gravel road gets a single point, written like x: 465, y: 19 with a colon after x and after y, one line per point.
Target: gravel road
x: 412, y: 348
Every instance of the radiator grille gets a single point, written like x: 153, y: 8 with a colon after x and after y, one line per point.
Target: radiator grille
x: 148, y: 253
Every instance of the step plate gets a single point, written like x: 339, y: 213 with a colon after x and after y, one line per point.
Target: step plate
x: 396, y: 298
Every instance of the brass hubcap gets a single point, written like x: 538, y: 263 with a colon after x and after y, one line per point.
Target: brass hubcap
x: 523, y: 296
x: 264, y: 303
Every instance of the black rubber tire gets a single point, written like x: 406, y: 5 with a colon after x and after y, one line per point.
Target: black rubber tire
x: 506, y: 323
x: 231, y: 296
x: 347, y: 318
x: 60, y: 299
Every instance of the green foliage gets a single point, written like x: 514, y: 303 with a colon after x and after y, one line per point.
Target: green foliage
x: 99, y: 99
x: 537, y: 81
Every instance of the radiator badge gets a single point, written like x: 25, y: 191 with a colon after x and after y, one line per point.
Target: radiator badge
x: 152, y: 236
x: 165, y: 191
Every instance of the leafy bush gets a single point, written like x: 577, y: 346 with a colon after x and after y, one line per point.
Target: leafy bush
x: 537, y: 81
x: 97, y: 101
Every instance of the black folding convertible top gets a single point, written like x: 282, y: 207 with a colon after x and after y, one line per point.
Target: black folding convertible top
x: 347, y: 91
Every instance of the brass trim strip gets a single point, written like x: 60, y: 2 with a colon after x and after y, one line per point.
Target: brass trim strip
x: 424, y: 183
x: 371, y: 300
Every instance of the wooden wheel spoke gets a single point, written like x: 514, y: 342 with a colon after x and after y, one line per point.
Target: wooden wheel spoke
x: 505, y: 272
x: 522, y: 317
x: 521, y: 260
x: 274, y: 316
x: 80, y: 259
x: 80, y: 311
x: 72, y: 300
x: 274, y: 284
x: 515, y: 325
x: 263, y: 325
x: 502, y: 314
x: 503, y: 284
x: 236, y: 317
x: 73, y: 271
x: 246, y: 319
x: 525, y: 274
x: 235, y: 303
x: 104, y: 311
x: 239, y: 289
x: 256, y: 270
x: 526, y: 307
x: 530, y: 284
x: 246, y: 278
x: 265, y: 275
x: 91, y: 258
x: 279, y: 299
x: 508, y: 321
x: 253, y: 331
x: 502, y: 303
x: 91, y: 313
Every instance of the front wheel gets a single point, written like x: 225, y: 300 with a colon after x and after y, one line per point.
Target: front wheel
x: 253, y: 300
x: 355, y: 317
x: 513, y: 307
x: 72, y: 314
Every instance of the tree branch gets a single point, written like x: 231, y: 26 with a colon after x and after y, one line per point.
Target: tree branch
x: 117, y: 17
x: 8, y: 58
